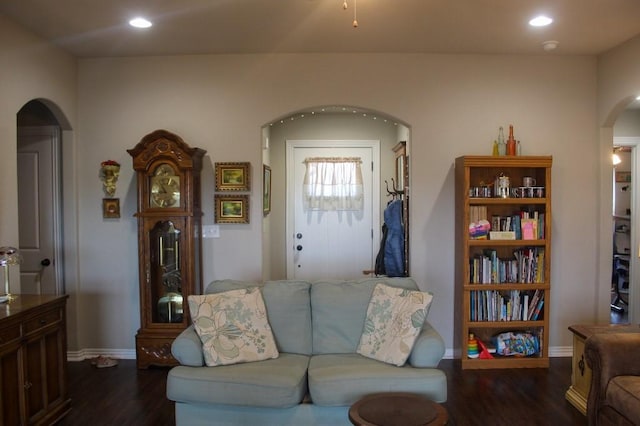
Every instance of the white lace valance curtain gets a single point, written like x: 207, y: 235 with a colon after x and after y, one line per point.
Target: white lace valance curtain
x: 333, y: 183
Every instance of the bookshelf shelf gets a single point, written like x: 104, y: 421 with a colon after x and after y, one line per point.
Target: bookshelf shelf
x: 507, y: 243
x: 506, y: 201
x: 509, y: 286
x: 500, y: 283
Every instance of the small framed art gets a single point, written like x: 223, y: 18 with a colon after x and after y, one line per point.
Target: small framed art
x: 233, y: 176
x: 232, y: 208
x: 111, y: 208
x: 266, y: 190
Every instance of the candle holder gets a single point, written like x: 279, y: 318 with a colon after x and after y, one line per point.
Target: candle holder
x: 8, y: 256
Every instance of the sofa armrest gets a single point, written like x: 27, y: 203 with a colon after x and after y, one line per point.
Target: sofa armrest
x: 608, y: 356
x: 428, y: 349
x: 187, y: 348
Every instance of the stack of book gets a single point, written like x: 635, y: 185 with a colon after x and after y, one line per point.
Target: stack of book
x: 526, y: 266
x: 512, y: 305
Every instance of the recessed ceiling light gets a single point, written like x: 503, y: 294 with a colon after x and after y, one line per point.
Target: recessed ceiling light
x: 540, y: 21
x: 637, y: 98
x: 140, y: 23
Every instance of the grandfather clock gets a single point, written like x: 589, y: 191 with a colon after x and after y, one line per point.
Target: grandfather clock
x: 169, y: 241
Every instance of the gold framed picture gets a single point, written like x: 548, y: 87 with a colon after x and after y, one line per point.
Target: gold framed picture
x: 111, y: 208
x: 232, y: 208
x: 266, y: 190
x: 233, y: 176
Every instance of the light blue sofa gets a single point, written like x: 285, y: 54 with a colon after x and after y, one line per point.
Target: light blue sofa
x: 318, y: 375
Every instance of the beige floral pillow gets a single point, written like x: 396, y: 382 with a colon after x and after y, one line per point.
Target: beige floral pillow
x: 394, y: 319
x: 233, y: 327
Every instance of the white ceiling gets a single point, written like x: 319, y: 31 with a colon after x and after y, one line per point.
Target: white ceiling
x: 96, y: 28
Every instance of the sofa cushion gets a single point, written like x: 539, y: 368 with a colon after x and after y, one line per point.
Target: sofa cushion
x: 342, y: 379
x: 623, y: 395
x: 394, y: 319
x: 233, y: 326
x: 288, y: 309
x: 279, y: 383
x: 339, y: 310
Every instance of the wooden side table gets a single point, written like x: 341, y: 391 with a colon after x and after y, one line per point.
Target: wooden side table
x: 578, y: 392
x: 397, y: 409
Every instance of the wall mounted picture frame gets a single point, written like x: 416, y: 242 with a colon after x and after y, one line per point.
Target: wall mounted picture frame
x: 111, y: 208
x: 233, y: 176
x: 266, y: 190
x: 231, y: 208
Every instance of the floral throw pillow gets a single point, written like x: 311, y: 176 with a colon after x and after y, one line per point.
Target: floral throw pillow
x: 233, y: 327
x: 394, y: 319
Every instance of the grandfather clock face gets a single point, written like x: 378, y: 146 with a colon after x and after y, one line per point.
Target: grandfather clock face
x: 165, y: 187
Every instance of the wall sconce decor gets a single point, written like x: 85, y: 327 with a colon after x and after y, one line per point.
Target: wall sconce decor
x: 109, y: 172
x: 8, y: 256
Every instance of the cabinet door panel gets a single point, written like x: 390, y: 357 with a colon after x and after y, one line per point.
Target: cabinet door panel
x: 54, y: 359
x: 10, y: 386
x: 34, y: 378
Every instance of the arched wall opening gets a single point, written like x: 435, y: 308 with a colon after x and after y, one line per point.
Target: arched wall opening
x: 329, y: 122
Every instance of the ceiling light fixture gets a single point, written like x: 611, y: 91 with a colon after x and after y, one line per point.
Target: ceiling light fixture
x: 140, y: 23
x: 550, y: 45
x: 615, y: 159
x: 540, y: 21
x: 345, y: 6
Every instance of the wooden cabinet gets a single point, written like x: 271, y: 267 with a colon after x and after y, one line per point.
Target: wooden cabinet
x: 169, y: 241
x: 498, y: 276
x: 33, y: 360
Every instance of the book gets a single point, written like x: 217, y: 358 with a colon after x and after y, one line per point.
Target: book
x: 536, y: 313
x: 533, y: 304
x: 529, y: 229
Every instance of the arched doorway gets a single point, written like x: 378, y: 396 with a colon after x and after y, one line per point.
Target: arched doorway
x: 40, y: 127
x: 609, y: 226
x: 323, y: 123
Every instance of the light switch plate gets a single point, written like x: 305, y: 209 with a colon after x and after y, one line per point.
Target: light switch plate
x: 210, y: 231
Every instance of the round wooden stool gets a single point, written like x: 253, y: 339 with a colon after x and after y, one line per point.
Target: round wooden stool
x: 397, y: 409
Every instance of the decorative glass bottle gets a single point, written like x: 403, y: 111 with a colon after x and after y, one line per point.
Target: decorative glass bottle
x: 502, y: 146
x: 511, y: 142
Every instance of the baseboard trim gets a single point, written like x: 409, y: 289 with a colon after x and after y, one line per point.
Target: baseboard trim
x: 81, y: 355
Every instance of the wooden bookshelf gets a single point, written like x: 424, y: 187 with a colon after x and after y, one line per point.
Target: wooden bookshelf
x: 473, y: 313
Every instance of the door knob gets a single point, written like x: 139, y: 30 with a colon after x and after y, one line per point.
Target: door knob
x: 299, y: 247
x: 45, y: 262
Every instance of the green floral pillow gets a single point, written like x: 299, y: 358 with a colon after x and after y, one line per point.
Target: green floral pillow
x: 233, y: 327
x: 394, y: 319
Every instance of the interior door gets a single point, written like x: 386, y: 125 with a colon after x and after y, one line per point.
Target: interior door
x: 37, y: 205
x: 331, y: 244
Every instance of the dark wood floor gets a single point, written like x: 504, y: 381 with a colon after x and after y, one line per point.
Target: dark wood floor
x: 123, y: 395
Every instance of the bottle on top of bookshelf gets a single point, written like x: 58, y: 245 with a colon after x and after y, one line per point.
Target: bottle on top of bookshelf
x: 503, y: 260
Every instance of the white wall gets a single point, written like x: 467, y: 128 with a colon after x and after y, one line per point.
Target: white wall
x: 627, y: 124
x: 453, y: 104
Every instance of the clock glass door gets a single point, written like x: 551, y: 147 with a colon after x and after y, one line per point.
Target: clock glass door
x: 166, y: 277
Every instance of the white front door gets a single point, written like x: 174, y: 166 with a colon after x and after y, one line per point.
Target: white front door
x: 37, y: 207
x: 331, y: 244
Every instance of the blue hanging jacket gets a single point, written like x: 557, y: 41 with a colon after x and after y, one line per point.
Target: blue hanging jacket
x: 394, y: 244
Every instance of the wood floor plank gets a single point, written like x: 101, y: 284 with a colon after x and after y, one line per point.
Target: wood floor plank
x: 123, y: 396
